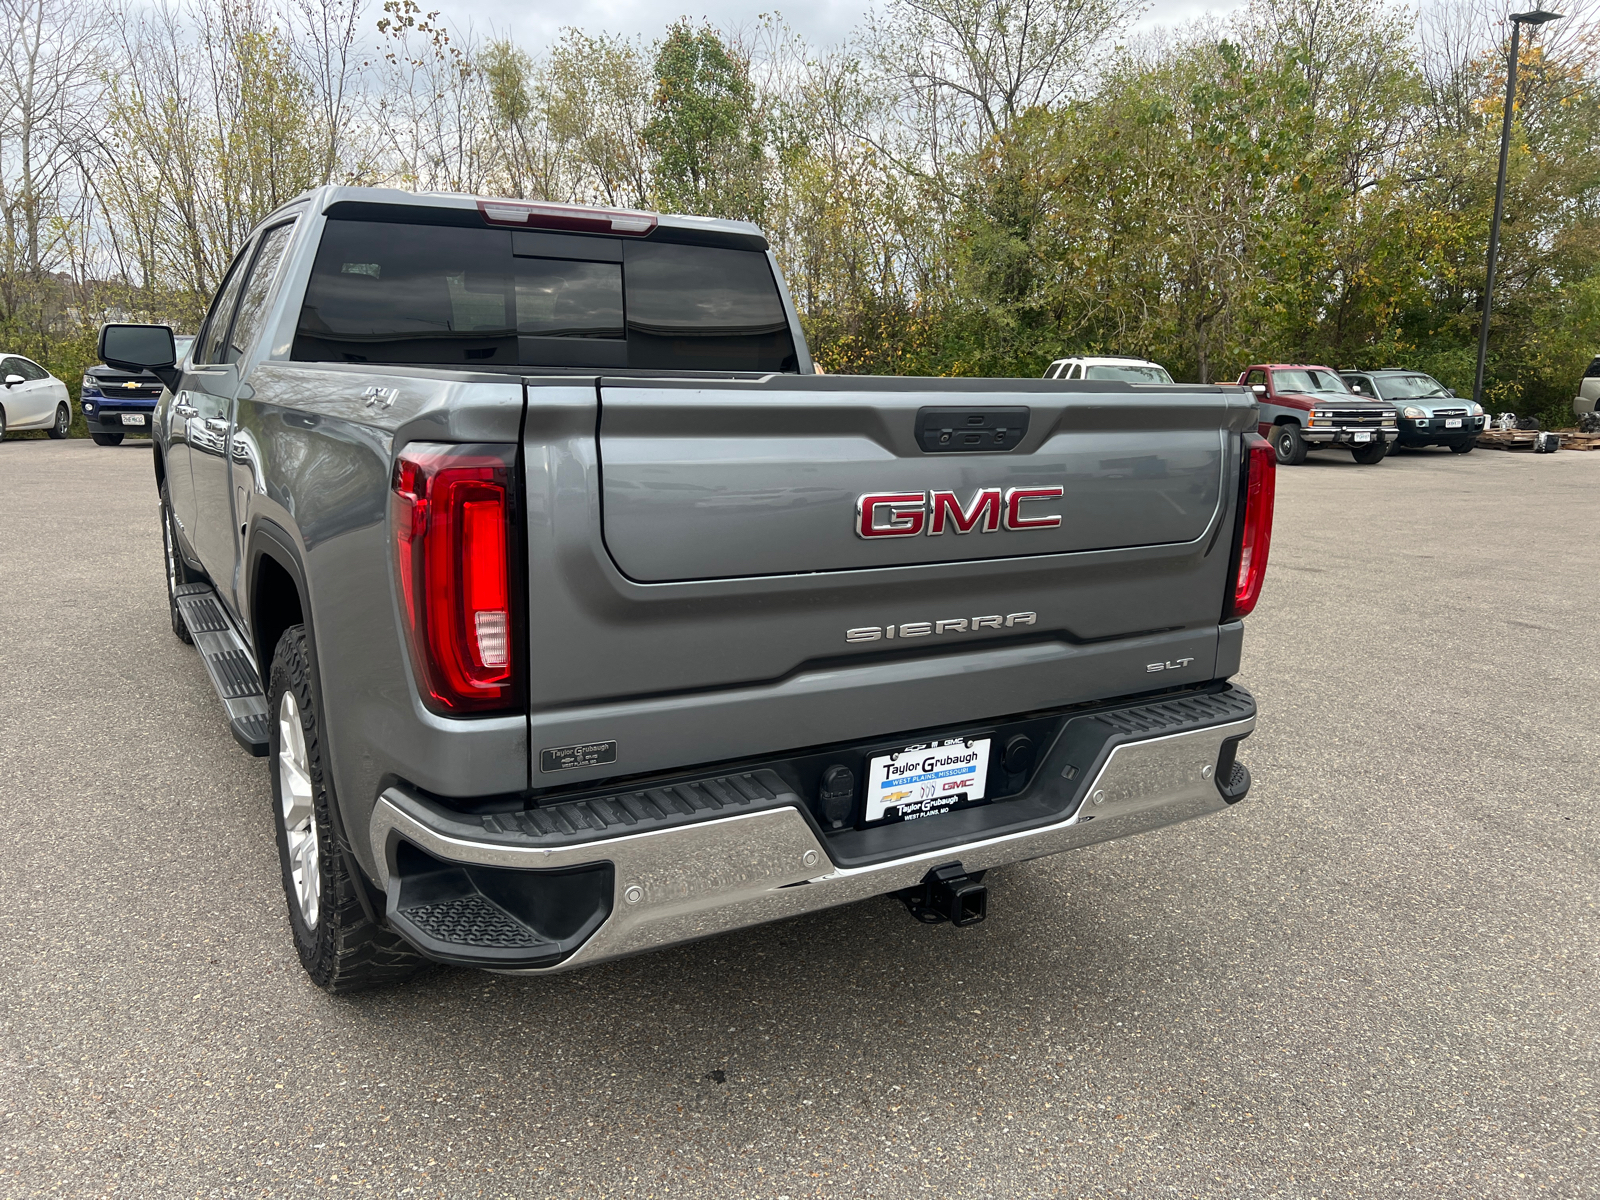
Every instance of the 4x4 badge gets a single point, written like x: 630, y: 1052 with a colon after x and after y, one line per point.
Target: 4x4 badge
x: 907, y: 514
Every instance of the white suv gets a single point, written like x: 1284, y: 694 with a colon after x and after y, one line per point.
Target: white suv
x: 1588, y: 397
x: 1108, y: 366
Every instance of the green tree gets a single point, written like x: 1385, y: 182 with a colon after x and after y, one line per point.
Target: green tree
x: 706, y: 134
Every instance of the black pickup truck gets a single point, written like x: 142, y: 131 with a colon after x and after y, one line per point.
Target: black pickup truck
x: 577, y: 615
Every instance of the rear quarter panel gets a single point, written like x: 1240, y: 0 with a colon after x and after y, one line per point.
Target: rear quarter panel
x: 312, y: 458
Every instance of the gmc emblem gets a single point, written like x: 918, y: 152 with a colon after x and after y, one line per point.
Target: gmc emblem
x: 907, y: 514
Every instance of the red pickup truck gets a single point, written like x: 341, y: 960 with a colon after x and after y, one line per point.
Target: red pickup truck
x: 1310, y: 408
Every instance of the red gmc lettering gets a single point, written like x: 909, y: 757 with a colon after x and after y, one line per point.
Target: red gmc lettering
x: 985, y: 507
x: 907, y: 514
x: 1014, y: 500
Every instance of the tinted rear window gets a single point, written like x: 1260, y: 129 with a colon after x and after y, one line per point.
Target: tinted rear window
x: 443, y: 296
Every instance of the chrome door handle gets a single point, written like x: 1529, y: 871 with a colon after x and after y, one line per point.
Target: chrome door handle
x: 185, y: 410
x: 216, y: 424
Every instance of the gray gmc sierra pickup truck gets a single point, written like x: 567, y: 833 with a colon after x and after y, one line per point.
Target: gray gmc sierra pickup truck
x: 577, y: 615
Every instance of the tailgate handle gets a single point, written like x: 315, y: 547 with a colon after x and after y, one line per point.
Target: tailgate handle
x: 970, y: 430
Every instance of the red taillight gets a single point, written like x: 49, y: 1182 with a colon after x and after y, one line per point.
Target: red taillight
x: 578, y: 218
x: 1255, y: 524
x: 452, y: 531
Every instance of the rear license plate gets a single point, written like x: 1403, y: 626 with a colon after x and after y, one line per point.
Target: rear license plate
x: 133, y: 418
x: 1362, y: 435
x: 1452, y: 422
x: 927, y: 779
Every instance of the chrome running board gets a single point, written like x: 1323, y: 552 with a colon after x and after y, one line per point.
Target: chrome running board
x: 229, y: 663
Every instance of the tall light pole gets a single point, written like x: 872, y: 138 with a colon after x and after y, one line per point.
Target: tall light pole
x: 1518, y: 20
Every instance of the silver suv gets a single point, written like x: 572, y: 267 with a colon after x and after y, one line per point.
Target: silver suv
x: 1430, y: 413
x: 1588, y: 398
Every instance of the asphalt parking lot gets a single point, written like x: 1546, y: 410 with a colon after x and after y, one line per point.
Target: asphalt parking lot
x: 1378, y: 976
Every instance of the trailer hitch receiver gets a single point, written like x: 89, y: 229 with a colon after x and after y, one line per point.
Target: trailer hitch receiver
x: 948, y: 893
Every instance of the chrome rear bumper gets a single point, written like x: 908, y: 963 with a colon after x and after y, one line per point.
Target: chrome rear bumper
x: 679, y: 884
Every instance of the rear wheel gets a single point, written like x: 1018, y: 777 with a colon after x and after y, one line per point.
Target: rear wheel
x: 341, y: 948
x: 107, y: 439
x: 1291, y: 447
x: 1370, y: 455
x: 1462, y: 447
x: 63, y: 423
x: 178, y: 572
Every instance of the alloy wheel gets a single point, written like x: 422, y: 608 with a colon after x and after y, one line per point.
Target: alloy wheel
x: 298, y: 811
x: 63, y: 421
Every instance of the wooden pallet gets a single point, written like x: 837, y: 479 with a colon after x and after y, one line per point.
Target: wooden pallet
x: 1523, y: 439
x: 1506, y: 439
x: 1579, y: 441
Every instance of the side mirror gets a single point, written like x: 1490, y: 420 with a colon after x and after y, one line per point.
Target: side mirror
x: 13, y: 380
x: 1259, y: 389
x: 140, y: 348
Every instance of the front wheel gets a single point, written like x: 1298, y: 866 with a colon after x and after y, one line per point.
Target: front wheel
x: 62, y: 424
x: 107, y: 439
x: 1371, y: 455
x: 1462, y: 447
x: 1290, y: 446
x: 341, y: 948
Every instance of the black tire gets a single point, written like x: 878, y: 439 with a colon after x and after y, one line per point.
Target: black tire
x: 1370, y: 455
x: 2, y: 424
x: 63, y: 424
x: 1291, y: 447
x: 177, y: 571
x: 341, y: 948
x: 107, y: 439
x: 1462, y: 447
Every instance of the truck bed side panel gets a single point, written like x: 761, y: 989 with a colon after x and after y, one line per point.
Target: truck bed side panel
x: 312, y: 457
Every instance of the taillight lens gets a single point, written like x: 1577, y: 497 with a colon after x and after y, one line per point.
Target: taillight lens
x: 1255, y: 524
x: 451, y: 512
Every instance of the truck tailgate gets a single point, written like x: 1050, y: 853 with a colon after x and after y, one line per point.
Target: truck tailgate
x: 700, y: 588
x: 717, y: 483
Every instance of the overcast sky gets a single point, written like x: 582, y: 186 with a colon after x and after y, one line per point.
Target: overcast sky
x: 820, y: 22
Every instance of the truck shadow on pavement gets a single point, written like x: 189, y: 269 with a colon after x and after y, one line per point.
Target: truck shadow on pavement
x: 835, y: 999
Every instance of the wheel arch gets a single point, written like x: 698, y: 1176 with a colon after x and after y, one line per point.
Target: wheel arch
x: 276, y: 598
x: 275, y: 587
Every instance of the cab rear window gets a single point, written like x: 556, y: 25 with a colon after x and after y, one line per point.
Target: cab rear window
x: 444, y: 296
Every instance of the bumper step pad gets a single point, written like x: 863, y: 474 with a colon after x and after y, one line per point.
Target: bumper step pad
x: 228, y: 662
x: 572, y: 822
x: 480, y: 915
